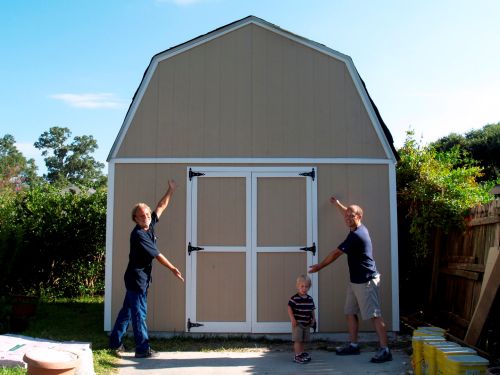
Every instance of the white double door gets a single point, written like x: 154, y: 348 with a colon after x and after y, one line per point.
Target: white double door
x: 250, y: 233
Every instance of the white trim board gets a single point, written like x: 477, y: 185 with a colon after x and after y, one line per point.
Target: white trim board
x: 108, y: 285
x: 360, y: 161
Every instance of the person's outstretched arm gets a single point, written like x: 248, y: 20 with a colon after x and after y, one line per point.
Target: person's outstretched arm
x: 165, y: 262
x: 165, y: 200
x: 342, y: 209
x: 330, y: 258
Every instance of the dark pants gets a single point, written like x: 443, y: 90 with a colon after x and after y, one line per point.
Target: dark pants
x: 134, y: 310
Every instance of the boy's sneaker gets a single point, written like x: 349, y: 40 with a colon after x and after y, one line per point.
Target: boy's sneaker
x: 299, y: 359
x: 383, y: 355
x: 150, y: 353
x: 306, y: 356
x: 348, y: 349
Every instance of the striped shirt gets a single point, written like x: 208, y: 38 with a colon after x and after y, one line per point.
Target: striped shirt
x: 302, y: 308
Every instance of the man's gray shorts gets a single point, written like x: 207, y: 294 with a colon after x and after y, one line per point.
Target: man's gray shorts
x: 363, y: 299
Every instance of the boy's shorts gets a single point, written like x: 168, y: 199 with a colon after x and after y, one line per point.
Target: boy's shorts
x: 363, y: 299
x: 301, y: 333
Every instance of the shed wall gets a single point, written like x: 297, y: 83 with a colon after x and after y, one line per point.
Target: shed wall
x: 366, y: 185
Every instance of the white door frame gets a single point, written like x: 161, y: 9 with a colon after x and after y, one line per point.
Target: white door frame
x: 250, y: 174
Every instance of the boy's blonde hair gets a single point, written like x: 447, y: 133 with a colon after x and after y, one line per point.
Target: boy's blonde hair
x: 305, y: 279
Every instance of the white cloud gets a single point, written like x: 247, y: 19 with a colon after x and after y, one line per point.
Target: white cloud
x: 91, y: 100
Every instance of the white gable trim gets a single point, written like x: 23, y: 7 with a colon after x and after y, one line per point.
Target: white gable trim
x: 237, y: 25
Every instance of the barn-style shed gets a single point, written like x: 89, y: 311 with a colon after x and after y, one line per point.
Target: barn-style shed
x: 259, y: 127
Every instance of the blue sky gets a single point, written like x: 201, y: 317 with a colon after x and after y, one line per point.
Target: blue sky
x: 432, y: 66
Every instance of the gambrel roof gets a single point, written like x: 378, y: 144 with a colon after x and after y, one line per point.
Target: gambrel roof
x: 380, y: 127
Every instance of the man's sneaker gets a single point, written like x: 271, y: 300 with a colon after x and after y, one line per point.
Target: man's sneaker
x: 120, y: 350
x: 306, y: 356
x: 383, y: 355
x: 348, y: 349
x: 150, y: 353
x: 299, y: 359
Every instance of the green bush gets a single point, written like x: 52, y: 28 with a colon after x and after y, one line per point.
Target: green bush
x: 435, y: 192
x: 52, y: 242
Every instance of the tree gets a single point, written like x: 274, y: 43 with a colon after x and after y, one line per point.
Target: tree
x: 435, y: 191
x: 483, y: 145
x: 15, y: 170
x: 70, y: 163
x: 437, y: 188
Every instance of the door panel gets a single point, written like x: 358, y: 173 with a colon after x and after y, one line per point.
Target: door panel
x: 281, y: 209
x: 282, y: 217
x: 221, y: 287
x: 218, y: 277
x: 221, y: 211
x: 276, y: 276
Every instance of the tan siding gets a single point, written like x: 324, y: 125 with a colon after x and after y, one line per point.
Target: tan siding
x: 367, y: 186
x: 141, y: 136
x: 221, y: 287
x: 251, y: 93
x: 276, y: 278
x: 235, y: 91
x: 166, y: 307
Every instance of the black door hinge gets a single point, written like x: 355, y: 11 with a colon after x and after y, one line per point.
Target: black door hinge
x: 312, y: 248
x: 311, y: 174
x: 192, y: 325
x: 193, y: 248
x: 194, y: 174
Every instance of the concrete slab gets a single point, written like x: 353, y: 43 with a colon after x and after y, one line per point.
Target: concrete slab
x: 261, y: 362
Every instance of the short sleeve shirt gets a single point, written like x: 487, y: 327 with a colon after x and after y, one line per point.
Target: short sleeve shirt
x: 358, y: 248
x: 302, y: 308
x: 142, y: 252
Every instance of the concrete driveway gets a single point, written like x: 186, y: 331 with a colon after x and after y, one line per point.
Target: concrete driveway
x: 261, y: 362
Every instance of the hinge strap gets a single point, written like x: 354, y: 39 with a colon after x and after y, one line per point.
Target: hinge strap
x: 312, y: 248
x: 193, y: 248
x: 194, y: 174
x: 311, y: 174
x: 192, y: 325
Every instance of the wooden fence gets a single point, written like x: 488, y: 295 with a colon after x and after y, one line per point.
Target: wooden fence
x: 466, y: 272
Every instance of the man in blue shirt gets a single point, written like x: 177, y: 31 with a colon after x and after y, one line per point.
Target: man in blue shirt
x: 137, y: 277
x: 363, y: 290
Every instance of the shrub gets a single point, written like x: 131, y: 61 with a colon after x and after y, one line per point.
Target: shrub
x: 52, y: 242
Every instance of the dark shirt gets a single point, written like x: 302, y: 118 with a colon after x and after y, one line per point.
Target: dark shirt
x: 358, y: 247
x: 142, y: 252
x: 302, y: 308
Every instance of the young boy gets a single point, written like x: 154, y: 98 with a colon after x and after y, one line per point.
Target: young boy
x: 301, y: 312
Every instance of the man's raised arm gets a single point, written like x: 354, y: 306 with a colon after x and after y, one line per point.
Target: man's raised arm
x: 165, y: 200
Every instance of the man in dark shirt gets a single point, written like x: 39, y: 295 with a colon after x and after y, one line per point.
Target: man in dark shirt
x: 362, y: 291
x: 137, y: 277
